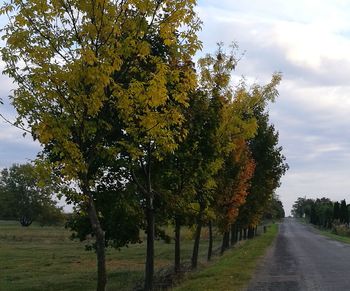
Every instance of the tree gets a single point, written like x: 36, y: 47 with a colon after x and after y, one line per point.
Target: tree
x: 90, y: 72
x: 336, y: 211
x: 274, y: 210
x: 120, y: 213
x: 233, y: 187
x: 270, y: 162
x: 27, y: 197
x: 344, y: 215
x: 319, y: 212
x: 298, y: 208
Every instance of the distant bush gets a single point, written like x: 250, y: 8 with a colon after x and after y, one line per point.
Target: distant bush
x: 341, y: 229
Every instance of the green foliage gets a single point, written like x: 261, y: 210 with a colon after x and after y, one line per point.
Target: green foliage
x: 131, y: 132
x: 120, y: 214
x: 26, y: 196
x: 321, y: 212
x: 336, y: 211
x: 344, y: 215
x: 270, y: 162
x: 274, y: 209
x: 100, y: 80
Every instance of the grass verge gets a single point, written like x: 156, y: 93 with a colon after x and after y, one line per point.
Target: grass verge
x: 234, y: 269
x: 327, y: 233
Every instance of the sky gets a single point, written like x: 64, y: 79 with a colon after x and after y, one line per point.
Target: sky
x: 308, y: 41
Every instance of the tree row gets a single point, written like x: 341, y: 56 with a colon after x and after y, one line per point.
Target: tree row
x: 135, y: 133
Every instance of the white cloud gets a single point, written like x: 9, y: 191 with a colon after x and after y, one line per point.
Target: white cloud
x: 309, y: 41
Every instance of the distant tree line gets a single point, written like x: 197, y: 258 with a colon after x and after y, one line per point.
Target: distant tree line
x: 321, y: 212
x: 26, y: 196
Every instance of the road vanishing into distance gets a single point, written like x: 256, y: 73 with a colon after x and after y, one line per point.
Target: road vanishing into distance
x: 301, y: 259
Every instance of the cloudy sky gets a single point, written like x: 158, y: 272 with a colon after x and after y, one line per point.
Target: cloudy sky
x: 309, y: 42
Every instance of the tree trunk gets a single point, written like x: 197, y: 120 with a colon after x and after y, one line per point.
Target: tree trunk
x: 233, y: 234
x: 100, y: 245
x: 225, y: 241
x: 194, y: 259
x: 245, y: 234
x: 240, y: 234
x: 150, y: 243
x: 250, y: 232
x: 210, y: 246
x: 177, y: 244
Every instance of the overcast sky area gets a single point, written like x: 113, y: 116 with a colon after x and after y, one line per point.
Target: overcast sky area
x: 309, y: 42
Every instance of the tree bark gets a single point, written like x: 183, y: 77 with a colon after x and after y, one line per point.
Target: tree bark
x: 250, y: 232
x: 233, y: 234
x: 150, y: 243
x: 225, y: 241
x: 194, y: 259
x: 210, y: 246
x: 100, y: 245
x: 177, y: 244
x: 245, y: 234
x: 240, y: 234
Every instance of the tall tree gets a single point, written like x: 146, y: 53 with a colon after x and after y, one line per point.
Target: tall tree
x: 90, y: 72
x: 270, y: 163
x: 344, y: 215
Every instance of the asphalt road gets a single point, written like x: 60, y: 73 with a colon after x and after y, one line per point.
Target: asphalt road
x: 301, y: 259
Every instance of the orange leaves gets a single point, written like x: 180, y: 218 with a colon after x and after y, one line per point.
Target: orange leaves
x: 234, y: 183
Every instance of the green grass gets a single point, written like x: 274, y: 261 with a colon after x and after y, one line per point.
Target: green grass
x: 234, y: 269
x: 44, y: 258
x: 328, y: 233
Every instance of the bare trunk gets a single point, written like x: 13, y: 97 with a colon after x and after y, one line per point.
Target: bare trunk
x: 194, y: 259
x: 233, y: 234
x: 150, y: 244
x: 210, y: 246
x: 245, y: 234
x: 250, y: 232
x: 240, y: 234
x: 225, y: 241
x: 177, y: 244
x: 100, y: 245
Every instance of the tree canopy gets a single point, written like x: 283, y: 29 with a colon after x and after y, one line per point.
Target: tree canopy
x: 133, y: 132
x: 25, y: 196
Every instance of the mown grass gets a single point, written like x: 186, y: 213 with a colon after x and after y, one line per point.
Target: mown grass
x: 44, y: 258
x: 234, y: 269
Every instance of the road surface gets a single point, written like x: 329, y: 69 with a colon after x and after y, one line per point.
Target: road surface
x: 301, y: 259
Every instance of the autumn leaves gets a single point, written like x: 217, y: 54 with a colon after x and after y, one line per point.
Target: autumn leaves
x: 110, y: 89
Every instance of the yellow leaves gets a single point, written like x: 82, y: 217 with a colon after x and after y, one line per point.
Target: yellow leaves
x: 88, y: 56
x: 102, y: 55
x: 44, y: 133
x: 157, y: 92
x: 144, y: 49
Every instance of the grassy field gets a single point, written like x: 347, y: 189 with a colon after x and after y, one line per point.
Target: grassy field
x: 44, y: 258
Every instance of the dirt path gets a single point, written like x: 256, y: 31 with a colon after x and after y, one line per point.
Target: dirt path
x: 301, y: 259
